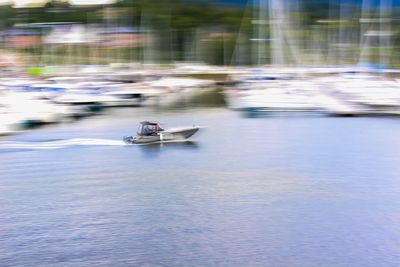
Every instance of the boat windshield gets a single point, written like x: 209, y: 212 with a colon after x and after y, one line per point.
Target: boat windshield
x: 149, y: 129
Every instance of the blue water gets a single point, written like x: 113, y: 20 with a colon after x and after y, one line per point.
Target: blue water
x: 272, y: 191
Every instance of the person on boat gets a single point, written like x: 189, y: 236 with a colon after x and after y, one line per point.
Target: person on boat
x: 158, y: 128
x: 151, y: 129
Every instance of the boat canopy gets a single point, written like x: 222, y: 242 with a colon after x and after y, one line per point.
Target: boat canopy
x: 149, y: 123
x: 149, y: 128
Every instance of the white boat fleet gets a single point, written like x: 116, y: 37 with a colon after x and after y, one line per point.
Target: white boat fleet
x: 341, y: 93
x: 28, y: 102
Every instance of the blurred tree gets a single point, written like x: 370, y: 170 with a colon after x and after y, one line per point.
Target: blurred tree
x: 7, y: 16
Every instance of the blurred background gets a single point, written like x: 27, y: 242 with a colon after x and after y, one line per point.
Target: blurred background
x: 296, y: 161
x: 229, y: 33
x: 144, y: 50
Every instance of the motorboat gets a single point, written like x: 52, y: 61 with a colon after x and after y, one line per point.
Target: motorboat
x: 151, y: 132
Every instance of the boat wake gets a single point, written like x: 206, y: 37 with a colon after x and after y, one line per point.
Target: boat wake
x: 58, y: 144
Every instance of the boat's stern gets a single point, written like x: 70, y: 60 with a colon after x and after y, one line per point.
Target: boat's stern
x: 129, y: 139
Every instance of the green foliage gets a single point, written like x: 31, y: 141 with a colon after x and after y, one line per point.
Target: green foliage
x: 7, y: 14
x: 173, y: 20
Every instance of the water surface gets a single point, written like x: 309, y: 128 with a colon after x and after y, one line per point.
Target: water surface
x: 272, y: 191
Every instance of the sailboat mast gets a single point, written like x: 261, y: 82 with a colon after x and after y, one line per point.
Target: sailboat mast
x: 385, y: 32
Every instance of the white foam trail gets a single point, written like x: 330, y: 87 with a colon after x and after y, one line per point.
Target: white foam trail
x: 60, y: 143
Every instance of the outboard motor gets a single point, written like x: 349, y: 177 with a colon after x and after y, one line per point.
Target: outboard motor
x: 128, y: 139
